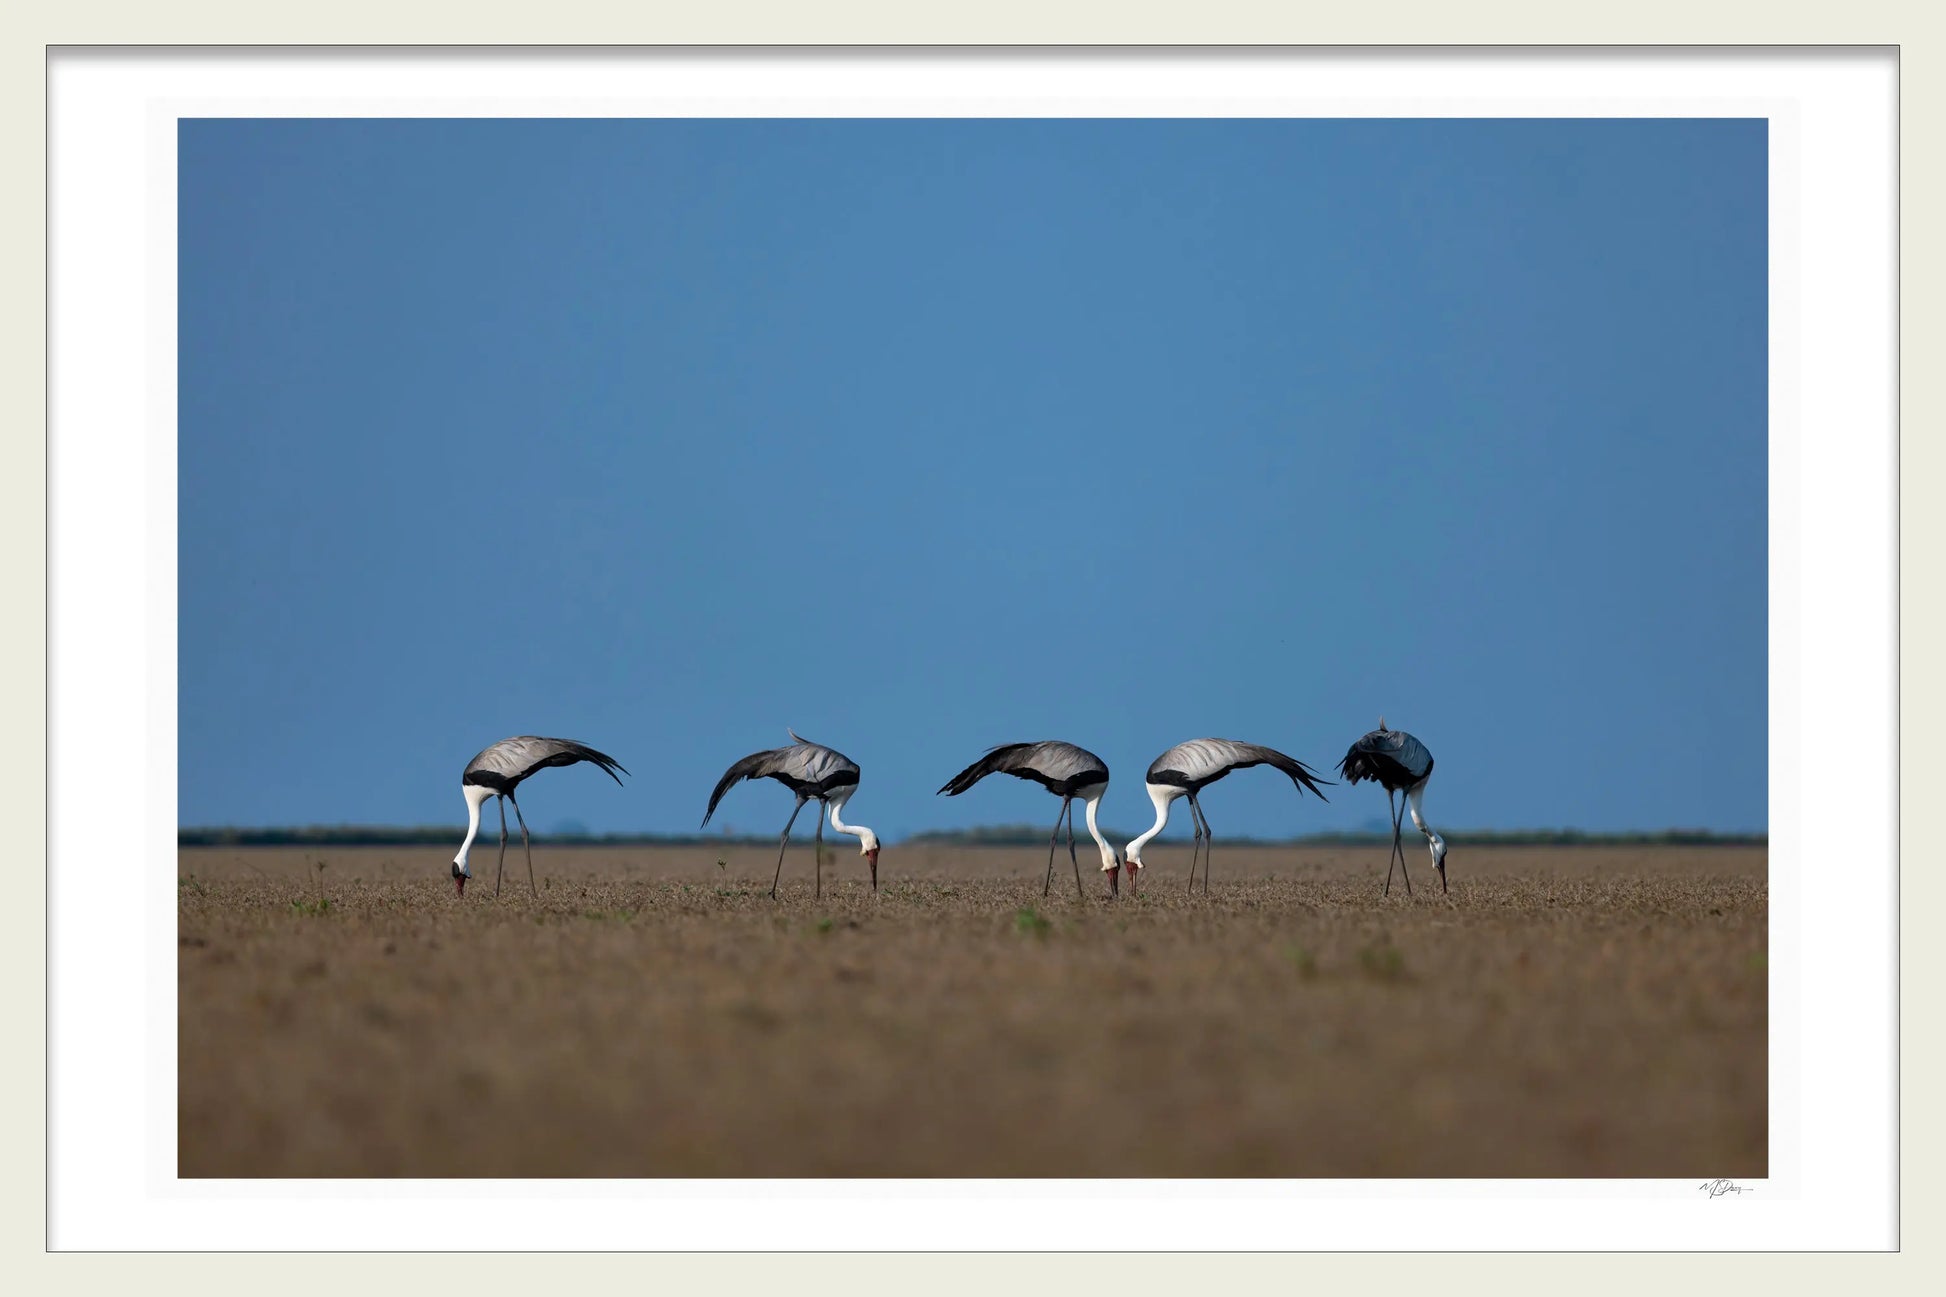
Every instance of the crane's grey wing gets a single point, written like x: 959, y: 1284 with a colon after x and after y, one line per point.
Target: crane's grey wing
x: 1067, y: 763
x: 509, y: 761
x: 1202, y: 761
x: 1059, y: 767
x: 807, y: 769
x: 814, y: 763
x: 1390, y: 757
x: 818, y: 766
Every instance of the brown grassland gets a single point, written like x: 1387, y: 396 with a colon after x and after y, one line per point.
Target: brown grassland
x: 1584, y: 1011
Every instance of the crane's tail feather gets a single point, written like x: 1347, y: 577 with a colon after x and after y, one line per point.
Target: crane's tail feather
x: 1360, y: 764
x: 607, y: 763
x: 996, y: 759
x: 1302, y: 775
x: 750, y: 767
x: 571, y: 752
x: 1357, y: 766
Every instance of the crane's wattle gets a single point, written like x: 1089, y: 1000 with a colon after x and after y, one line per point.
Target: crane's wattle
x: 459, y: 882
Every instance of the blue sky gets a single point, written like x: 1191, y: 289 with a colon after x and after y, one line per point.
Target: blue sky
x: 921, y: 436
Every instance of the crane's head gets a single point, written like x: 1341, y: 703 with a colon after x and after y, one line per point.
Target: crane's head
x: 460, y: 875
x: 1439, y: 859
x: 868, y: 848
x: 1114, y: 867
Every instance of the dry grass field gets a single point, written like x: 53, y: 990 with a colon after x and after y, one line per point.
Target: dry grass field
x: 1565, y: 1012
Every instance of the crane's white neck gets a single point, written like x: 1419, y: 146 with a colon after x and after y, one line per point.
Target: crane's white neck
x: 867, y: 840
x: 1415, y: 799
x: 476, y: 795
x: 1162, y: 795
x: 1094, y: 831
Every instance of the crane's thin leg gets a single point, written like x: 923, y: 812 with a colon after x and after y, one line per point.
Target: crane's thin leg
x: 1079, y: 895
x: 1398, y: 848
x: 818, y: 847
x: 1392, y: 857
x: 1397, y: 836
x: 1053, y: 838
x: 1195, y: 843
x: 1397, y: 860
x: 1209, y: 840
x: 529, y: 847
x: 503, y: 845
x: 783, y: 842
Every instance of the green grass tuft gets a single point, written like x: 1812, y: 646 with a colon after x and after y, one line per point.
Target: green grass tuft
x: 1031, y: 922
x: 1383, y: 962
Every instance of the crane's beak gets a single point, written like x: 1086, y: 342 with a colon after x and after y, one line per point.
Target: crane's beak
x: 872, y: 857
x: 1441, y: 867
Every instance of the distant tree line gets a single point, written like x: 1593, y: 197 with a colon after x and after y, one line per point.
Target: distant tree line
x: 1022, y: 835
x: 1003, y: 835
x: 380, y: 835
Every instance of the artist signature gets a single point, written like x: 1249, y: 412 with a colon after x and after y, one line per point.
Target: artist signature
x: 1717, y: 1188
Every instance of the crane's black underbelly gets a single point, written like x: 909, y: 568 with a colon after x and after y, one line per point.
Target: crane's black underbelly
x: 822, y: 789
x: 500, y: 783
x: 1069, y: 787
x: 1177, y: 779
x: 1382, y: 769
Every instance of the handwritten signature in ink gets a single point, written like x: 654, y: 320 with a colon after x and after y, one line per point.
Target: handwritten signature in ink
x: 1717, y: 1188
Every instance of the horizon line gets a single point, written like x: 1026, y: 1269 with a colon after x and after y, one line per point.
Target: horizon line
x: 999, y: 835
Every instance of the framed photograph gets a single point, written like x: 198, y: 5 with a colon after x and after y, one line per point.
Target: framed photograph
x: 1431, y: 517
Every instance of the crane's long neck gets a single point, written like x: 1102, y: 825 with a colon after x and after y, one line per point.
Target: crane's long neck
x: 1434, y: 843
x: 1161, y: 795
x: 1415, y: 800
x: 865, y: 836
x: 1094, y: 831
x: 476, y: 796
